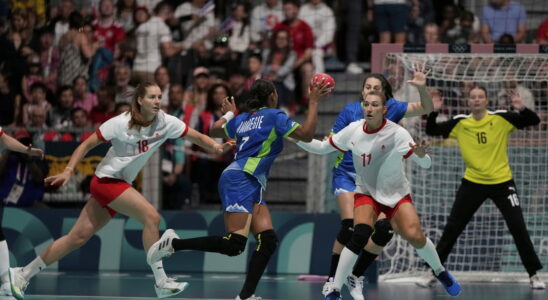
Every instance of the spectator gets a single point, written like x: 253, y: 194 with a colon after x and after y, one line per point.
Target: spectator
x: 449, y: 18
x: 20, y: 34
x: 76, y: 51
x: 221, y: 61
x: 37, y: 100
x: 108, y: 33
x: 59, y: 116
x: 254, y: 69
x: 278, y: 66
x: 542, y: 33
x: 37, y: 121
x: 33, y: 75
x: 38, y: 6
x: 81, y: 124
x: 263, y: 19
x: 177, y: 188
x: 195, y: 98
x: 390, y: 17
x: 431, y: 34
x: 236, y: 81
x: 237, y: 29
x: 506, y: 39
x: 463, y: 32
x: 500, y: 17
x: 21, y: 176
x: 321, y: 19
x: 82, y: 97
x: 421, y: 12
x: 302, y: 41
x: 153, y: 39
x: 49, y: 58
x: 106, y: 108
x: 10, y: 103
x: 439, y: 105
x: 197, y: 23
x: 124, y: 13
x: 161, y: 78
x: 353, y: 33
x: 124, y: 91
x: 510, y: 87
x: 60, y: 24
x: 206, y: 170
x: 148, y: 4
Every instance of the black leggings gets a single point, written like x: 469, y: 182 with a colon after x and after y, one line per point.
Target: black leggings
x: 469, y: 198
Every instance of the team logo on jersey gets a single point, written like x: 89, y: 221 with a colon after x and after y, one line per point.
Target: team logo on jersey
x: 382, y: 147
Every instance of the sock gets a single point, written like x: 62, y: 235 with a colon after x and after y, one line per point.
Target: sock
x: 255, y: 269
x: 364, y: 261
x: 158, y: 271
x: 346, y: 262
x: 429, y: 254
x: 4, y: 261
x: 206, y: 243
x: 334, y: 262
x: 33, y: 268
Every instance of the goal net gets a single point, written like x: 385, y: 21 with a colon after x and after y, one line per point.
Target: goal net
x: 485, y: 250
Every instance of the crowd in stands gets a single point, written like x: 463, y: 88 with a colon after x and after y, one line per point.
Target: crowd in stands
x: 66, y: 66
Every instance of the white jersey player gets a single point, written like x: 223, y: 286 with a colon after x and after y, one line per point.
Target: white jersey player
x: 134, y: 137
x: 379, y: 148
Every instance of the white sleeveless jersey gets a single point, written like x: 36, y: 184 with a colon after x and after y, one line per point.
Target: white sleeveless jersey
x: 378, y: 158
x: 131, y: 148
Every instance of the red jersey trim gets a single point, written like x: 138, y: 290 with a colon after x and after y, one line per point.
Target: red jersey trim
x: 376, y: 130
x: 406, y: 156
x: 1, y: 132
x: 185, y: 132
x: 335, y: 146
x: 100, y: 135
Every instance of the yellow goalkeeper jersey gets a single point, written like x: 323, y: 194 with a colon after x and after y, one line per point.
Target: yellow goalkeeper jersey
x: 483, y: 143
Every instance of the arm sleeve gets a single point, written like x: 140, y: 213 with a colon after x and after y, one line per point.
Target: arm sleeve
x: 318, y: 147
x: 108, y: 130
x: 436, y: 129
x: 521, y: 119
x: 284, y: 125
x: 342, y: 120
x: 177, y: 128
x: 164, y: 33
x: 230, y: 128
x: 397, y: 110
x: 328, y: 31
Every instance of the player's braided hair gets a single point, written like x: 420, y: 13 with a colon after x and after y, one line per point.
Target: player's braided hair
x: 137, y: 118
x: 386, y: 87
x: 260, y: 91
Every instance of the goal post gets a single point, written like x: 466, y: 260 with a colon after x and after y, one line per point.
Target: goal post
x: 485, y: 250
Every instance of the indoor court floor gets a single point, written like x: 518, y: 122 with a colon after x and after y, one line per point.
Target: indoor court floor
x: 91, y: 286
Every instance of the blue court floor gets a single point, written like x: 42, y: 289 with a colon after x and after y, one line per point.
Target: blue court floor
x: 88, y: 286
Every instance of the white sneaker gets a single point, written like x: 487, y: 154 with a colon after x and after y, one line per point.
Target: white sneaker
x: 354, y: 68
x: 253, y: 297
x: 426, y: 281
x: 327, y: 286
x: 355, y: 285
x: 5, y: 289
x: 162, y: 248
x: 537, y: 283
x: 18, y: 283
x: 169, y: 287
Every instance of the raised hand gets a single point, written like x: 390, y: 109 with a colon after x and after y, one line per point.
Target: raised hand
x: 420, y: 148
x: 228, y: 105
x: 419, y: 74
x: 318, y: 90
x: 516, y: 100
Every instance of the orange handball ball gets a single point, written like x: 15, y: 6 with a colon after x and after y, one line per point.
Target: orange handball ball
x: 328, y: 81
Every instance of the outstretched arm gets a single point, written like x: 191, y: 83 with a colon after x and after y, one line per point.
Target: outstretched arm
x: 317, y: 147
x: 425, y: 106
x: 61, y: 179
x: 14, y: 145
x: 206, y: 142
x: 420, y: 154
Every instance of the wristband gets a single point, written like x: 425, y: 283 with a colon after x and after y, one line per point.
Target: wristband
x: 71, y: 169
x: 228, y: 116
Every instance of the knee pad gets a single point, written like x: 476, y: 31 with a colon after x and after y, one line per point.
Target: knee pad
x: 233, y: 244
x: 267, y: 242
x: 359, y: 239
x: 383, y: 232
x: 345, y: 233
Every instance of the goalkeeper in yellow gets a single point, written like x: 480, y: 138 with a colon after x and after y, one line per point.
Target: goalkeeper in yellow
x: 483, y: 139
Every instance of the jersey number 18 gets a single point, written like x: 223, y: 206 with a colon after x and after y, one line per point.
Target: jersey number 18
x: 142, y: 145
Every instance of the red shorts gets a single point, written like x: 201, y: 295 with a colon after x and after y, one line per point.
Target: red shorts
x: 105, y: 190
x: 361, y: 199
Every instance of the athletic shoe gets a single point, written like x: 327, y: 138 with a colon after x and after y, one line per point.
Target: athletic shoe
x: 334, y: 295
x: 537, y: 283
x: 169, y: 287
x: 354, y: 68
x: 162, y: 248
x: 18, y: 283
x: 426, y: 281
x: 451, y: 285
x: 355, y: 285
x: 327, y: 286
x: 253, y: 297
x: 5, y: 289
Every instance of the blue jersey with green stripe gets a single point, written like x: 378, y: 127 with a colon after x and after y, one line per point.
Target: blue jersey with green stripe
x: 259, y: 140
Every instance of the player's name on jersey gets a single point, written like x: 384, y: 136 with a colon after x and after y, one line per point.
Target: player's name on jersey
x: 253, y: 123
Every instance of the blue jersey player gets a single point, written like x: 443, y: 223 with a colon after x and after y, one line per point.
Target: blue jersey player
x: 344, y: 173
x: 259, y: 136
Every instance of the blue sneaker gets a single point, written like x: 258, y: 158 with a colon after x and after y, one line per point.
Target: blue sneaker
x: 334, y: 295
x: 451, y: 285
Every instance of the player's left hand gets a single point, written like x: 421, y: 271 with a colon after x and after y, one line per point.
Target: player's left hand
x: 228, y: 105
x: 35, y: 152
x: 419, y: 74
x: 420, y: 148
x: 222, y: 148
x: 515, y: 99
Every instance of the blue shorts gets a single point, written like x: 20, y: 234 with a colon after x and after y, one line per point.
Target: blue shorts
x: 239, y: 190
x: 390, y: 17
x: 342, y: 182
